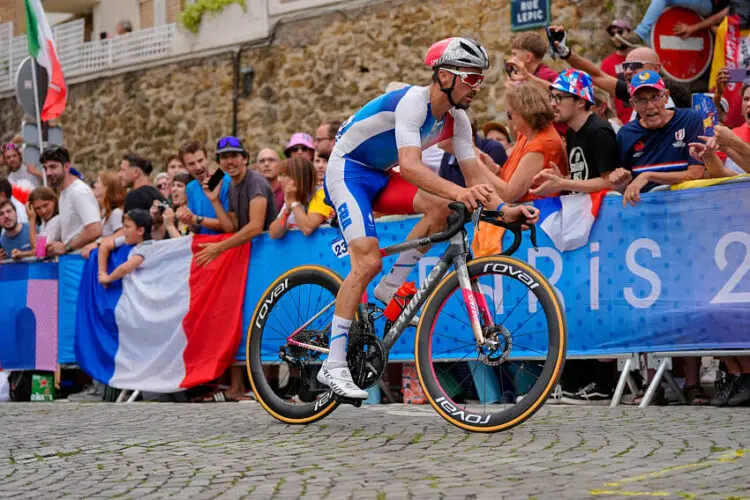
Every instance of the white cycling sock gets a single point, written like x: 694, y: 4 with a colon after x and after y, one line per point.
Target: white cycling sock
x: 390, y: 283
x: 339, y: 339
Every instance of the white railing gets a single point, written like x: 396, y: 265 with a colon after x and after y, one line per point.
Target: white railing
x: 78, y: 57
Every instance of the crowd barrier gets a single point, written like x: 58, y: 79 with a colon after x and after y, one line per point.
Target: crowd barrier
x: 667, y: 275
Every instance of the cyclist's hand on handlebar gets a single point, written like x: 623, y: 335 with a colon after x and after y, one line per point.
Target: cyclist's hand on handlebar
x: 473, y: 196
x: 528, y: 214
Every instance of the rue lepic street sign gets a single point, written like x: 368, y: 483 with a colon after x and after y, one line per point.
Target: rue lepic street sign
x: 529, y: 14
x: 25, y: 86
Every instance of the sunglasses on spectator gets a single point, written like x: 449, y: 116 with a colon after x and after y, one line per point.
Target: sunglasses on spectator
x: 299, y: 148
x: 161, y: 186
x: 616, y: 32
x: 231, y: 142
x: 634, y: 65
x: 470, y: 79
x: 645, y: 101
x: 557, y: 98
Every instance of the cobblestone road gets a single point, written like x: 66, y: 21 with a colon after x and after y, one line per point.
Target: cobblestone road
x: 235, y: 450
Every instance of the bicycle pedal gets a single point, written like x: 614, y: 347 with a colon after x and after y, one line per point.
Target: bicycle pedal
x: 349, y: 401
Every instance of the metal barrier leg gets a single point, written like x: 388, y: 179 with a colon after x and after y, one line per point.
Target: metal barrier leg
x: 133, y: 396
x: 631, y: 384
x: 621, y: 383
x: 122, y: 396
x: 670, y: 380
x: 652, y: 388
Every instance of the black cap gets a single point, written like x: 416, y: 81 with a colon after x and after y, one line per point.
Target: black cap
x: 142, y: 218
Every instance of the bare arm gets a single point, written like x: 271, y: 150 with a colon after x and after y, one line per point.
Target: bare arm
x: 606, y: 82
x: 89, y: 234
x: 278, y: 227
x: 307, y: 222
x: 511, y: 191
x: 257, y: 211
x: 126, y: 267
x: 224, y: 222
x: 693, y: 172
x: 419, y: 174
x: 105, y: 248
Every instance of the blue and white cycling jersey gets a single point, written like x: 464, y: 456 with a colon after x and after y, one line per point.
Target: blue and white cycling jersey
x: 373, y: 136
x: 367, y: 147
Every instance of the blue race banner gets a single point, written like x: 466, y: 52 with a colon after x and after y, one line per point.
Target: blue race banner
x: 668, y: 274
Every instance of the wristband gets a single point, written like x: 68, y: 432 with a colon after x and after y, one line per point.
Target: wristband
x: 294, y: 205
x: 199, y: 219
x: 68, y: 248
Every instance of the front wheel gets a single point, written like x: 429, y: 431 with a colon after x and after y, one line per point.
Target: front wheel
x: 498, y: 385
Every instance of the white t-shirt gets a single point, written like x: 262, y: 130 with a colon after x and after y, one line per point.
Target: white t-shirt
x: 113, y: 223
x: 23, y: 218
x: 78, y: 208
x: 143, y: 249
x: 24, y: 178
x: 52, y: 230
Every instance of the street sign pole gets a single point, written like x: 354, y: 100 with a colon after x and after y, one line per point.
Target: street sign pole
x: 38, y: 116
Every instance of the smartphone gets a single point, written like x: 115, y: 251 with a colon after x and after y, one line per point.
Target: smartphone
x: 552, y: 37
x: 738, y: 75
x: 215, y: 179
x: 509, y: 69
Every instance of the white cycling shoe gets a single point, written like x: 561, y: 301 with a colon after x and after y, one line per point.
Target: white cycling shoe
x: 337, y: 377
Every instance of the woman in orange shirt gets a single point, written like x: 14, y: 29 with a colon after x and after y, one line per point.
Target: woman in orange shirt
x: 538, y: 145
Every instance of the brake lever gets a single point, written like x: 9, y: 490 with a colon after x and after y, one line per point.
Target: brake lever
x: 476, y: 216
x: 532, y: 237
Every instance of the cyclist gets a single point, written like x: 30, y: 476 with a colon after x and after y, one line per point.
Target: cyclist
x: 391, y: 130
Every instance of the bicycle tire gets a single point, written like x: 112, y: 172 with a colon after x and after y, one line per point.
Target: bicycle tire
x: 526, y: 407
x: 276, y: 406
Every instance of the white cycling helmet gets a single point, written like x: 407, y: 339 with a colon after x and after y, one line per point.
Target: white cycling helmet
x: 459, y: 52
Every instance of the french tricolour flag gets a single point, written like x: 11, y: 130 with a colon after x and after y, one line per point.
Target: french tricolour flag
x: 170, y: 324
x: 568, y: 220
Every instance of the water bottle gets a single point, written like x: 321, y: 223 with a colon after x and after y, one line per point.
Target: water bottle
x: 400, y: 300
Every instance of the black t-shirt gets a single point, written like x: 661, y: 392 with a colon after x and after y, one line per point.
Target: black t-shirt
x: 143, y: 197
x: 592, y: 151
x: 240, y: 196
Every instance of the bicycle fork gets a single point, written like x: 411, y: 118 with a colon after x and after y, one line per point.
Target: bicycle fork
x: 474, y: 299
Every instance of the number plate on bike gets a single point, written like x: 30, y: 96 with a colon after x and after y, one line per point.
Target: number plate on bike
x: 339, y: 248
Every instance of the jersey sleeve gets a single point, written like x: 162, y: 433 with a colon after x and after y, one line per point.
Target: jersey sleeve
x: 411, y: 112
x: 318, y: 206
x: 463, y: 145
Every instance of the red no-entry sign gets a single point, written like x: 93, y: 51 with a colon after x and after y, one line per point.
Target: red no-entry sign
x: 687, y: 59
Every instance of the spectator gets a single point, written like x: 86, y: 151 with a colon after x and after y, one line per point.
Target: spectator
x: 251, y: 205
x: 321, y: 164
x: 251, y: 211
x: 110, y: 195
x: 27, y: 176
x: 304, y: 205
x: 590, y: 142
x: 6, y: 193
x: 124, y: 27
x: 603, y: 110
x: 199, y: 212
x: 300, y: 144
x: 449, y: 168
x: 137, y: 232
x: 527, y: 51
x: 162, y: 184
x: 637, y: 60
x: 134, y: 175
x: 269, y: 162
x: 655, y: 150
x: 174, y: 167
x: 15, y: 237
x: 538, y: 145
x: 704, y: 8
x: 80, y: 221
x: 175, y: 228
x: 42, y: 209
x: 498, y: 132
x: 612, y: 64
x: 325, y: 136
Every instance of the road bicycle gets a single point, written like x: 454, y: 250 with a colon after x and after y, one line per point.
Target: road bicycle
x: 493, y: 314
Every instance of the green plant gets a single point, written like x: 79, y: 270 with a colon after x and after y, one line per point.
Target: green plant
x: 192, y: 15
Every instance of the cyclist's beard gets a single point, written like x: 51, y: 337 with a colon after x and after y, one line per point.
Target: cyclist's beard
x: 459, y: 105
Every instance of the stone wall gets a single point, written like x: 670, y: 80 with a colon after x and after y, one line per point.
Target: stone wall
x: 315, y: 69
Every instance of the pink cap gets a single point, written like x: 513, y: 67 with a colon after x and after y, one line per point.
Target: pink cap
x: 300, y: 138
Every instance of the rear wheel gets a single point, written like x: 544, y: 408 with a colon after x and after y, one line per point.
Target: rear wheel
x: 501, y: 384
x: 283, y: 374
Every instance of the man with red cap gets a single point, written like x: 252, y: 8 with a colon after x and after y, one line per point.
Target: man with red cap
x: 654, y: 149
